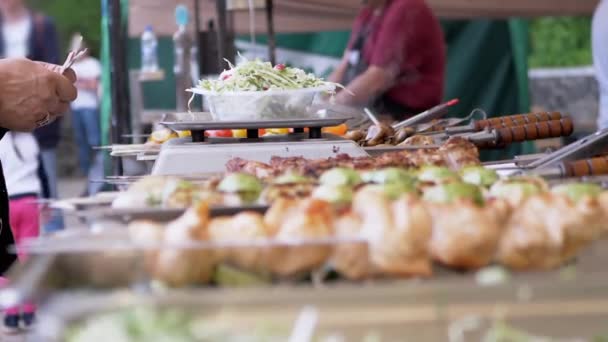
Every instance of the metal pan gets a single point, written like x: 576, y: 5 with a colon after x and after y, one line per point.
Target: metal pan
x: 84, y: 203
x: 159, y: 214
x: 545, y: 303
x: 377, y: 150
x: 185, y: 121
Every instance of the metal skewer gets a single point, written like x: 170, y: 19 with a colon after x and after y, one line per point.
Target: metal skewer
x: 372, y: 116
x: 427, y: 115
x: 305, y: 325
x: 73, y: 56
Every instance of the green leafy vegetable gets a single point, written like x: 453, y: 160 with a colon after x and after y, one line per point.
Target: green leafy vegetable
x: 578, y: 191
x: 262, y: 76
x: 451, y: 192
x: 341, y: 176
x: 168, y: 325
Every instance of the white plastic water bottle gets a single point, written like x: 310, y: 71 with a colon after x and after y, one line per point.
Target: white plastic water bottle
x: 149, y: 50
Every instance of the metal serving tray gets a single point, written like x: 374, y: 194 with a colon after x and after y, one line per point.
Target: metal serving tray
x: 188, y: 158
x: 162, y: 214
x: 393, y: 311
x: 126, y: 150
x: 257, y: 124
x: 377, y: 150
x: 111, y: 260
x: 108, y: 259
x: 83, y: 203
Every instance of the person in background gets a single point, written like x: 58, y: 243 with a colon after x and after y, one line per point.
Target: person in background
x: 395, y: 59
x: 85, y: 118
x: 32, y: 95
x: 33, y: 35
x: 599, y: 41
x: 19, y: 153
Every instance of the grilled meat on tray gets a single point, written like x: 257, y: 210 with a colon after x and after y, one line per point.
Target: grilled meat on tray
x: 455, y: 153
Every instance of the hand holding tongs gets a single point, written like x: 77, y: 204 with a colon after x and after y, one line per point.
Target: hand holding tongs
x: 73, y: 56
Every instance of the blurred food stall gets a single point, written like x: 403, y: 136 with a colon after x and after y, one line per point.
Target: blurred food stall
x: 287, y: 218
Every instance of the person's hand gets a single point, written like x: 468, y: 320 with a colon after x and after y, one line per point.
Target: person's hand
x: 33, y: 94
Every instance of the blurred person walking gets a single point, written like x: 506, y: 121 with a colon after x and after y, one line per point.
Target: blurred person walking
x: 25, y: 33
x: 19, y: 154
x: 86, y: 120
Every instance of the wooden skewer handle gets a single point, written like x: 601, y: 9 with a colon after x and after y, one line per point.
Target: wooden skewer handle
x: 586, y: 167
x: 534, y: 131
x: 509, y: 121
x: 516, y: 120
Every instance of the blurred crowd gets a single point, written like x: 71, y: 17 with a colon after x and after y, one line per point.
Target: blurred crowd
x: 30, y: 159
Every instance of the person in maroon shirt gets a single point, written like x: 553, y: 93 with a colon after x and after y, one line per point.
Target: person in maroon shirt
x: 395, y: 59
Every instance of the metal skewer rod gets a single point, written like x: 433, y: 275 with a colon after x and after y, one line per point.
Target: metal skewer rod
x: 305, y: 325
x: 372, y: 116
x: 427, y: 115
x: 74, y: 55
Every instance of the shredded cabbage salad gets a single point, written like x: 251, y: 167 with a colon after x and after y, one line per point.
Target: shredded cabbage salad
x: 257, y: 75
x: 146, y: 324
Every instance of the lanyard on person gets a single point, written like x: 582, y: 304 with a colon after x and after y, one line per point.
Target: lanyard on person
x: 356, y: 50
x: 15, y: 147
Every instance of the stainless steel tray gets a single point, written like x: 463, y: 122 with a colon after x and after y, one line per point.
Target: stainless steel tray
x: 395, y: 311
x: 377, y: 150
x: 184, y: 159
x: 274, y: 138
x: 108, y: 261
x: 162, y: 214
x: 84, y: 203
x: 133, y: 179
x: 125, y: 150
x: 111, y: 260
x: 204, y: 121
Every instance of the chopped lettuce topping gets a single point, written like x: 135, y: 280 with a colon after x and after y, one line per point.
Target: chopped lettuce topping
x: 262, y: 76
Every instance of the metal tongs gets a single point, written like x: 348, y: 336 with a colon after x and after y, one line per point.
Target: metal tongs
x: 428, y: 115
x: 497, y: 122
x: 587, y: 147
x: 74, y: 55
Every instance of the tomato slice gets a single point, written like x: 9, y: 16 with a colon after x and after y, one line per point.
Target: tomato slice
x: 220, y: 133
